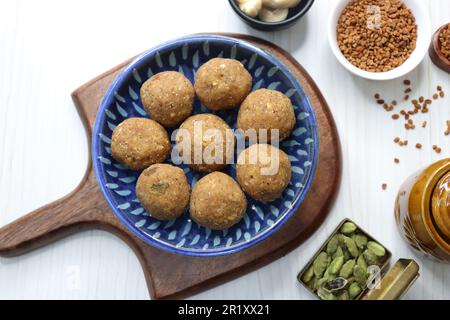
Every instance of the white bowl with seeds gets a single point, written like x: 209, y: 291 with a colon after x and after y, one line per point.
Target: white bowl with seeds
x: 379, y: 40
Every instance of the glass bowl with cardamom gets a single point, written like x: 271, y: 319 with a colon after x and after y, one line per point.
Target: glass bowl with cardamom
x: 347, y: 265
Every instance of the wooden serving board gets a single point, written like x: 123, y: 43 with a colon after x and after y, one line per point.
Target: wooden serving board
x: 168, y: 275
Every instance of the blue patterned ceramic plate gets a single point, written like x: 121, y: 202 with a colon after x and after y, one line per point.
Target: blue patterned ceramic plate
x: 184, y: 236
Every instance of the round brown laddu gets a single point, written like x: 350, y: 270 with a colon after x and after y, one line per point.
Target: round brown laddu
x: 222, y: 84
x: 163, y: 191
x: 260, y: 184
x: 186, y: 148
x: 267, y: 109
x: 139, y: 142
x: 217, y: 202
x: 168, y: 98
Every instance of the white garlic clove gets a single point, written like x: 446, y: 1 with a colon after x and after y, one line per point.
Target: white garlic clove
x: 250, y: 7
x: 280, y: 4
x: 270, y: 15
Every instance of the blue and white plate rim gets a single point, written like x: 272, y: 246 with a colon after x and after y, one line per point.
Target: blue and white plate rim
x: 109, y: 96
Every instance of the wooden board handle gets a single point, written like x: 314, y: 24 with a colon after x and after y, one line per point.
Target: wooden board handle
x: 51, y: 222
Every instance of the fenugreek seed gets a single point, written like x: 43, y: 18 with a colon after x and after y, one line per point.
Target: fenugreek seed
x: 447, y: 132
x: 435, y: 96
x: 380, y: 101
x: 442, y: 94
x: 421, y: 99
x: 394, y: 103
x: 414, y: 102
x: 428, y: 101
x: 435, y: 147
x: 418, y: 146
x: 439, y: 88
x: 408, y: 90
x: 395, y: 116
x: 424, y: 124
x: 406, y: 97
x: 406, y: 82
x: 397, y: 140
x: 438, y: 150
x: 396, y: 160
x: 377, y: 96
x: 384, y: 186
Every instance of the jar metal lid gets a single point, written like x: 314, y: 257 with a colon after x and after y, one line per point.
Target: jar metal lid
x: 396, y: 282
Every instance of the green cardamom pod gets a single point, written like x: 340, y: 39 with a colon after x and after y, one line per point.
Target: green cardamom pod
x: 320, y: 264
x: 333, y: 245
x: 313, y: 285
x: 341, y: 238
x: 336, y: 284
x: 376, y: 248
x: 324, y: 294
x: 338, y: 253
x: 348, y: 228
x: 351, y: 247
x: 362, y: 262
x: 343, y: 295
x: 308, y: 275
x: 354, y: 290
x: 361, y: 241
x: 336, y: 265
x: 321, y: 282
x: 360, y: 275
x: 370, y: 257
x: 347, y: 269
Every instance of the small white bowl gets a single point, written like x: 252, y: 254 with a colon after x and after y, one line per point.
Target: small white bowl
x: 423, y: 22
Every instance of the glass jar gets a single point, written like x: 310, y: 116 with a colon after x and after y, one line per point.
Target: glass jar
x: 422, y: 211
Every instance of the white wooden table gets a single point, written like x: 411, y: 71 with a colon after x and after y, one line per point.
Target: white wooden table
x: 49, y: 47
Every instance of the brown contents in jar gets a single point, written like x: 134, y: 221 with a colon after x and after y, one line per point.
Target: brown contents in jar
x: 444, y: 42
x: 375, y: 35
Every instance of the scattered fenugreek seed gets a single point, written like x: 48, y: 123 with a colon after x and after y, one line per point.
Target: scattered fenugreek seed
x: 377, y: 96
x: 397, y: 140
x: 418, y: 146
x: 406, y: 82
x: 424, y: 124
x: 406, y: 97
x: 442, y: 94
x: 435, y: 96
x: 380, y: 101
x: 396, y: 160
x: 408, y: 90
x: 395, y: 116
x: 439, y: 88
x: 384, y: 186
